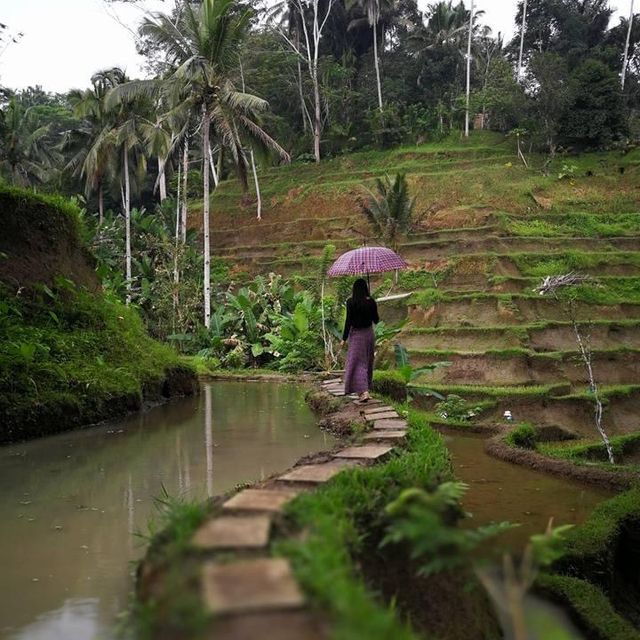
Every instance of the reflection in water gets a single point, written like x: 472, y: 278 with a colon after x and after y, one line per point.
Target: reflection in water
x: 69, y: 503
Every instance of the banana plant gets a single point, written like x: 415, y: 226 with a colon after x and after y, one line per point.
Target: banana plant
x: 412, y: 374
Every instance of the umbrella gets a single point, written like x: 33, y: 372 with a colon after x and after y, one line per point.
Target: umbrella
x: 362, y: 261
x: 366, y: 260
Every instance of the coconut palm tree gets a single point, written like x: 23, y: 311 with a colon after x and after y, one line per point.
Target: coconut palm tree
x: 95, y: 157
x: 27, y: 154
x: 202, y: 48
x: 373, y: 10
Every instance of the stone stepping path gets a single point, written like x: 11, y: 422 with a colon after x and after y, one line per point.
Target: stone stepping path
x: 233, y: 532
x: 370, y: 452
x: 316, y: 473
x: 270, y: 500
x: 260, y: 597
x: 264, y: 584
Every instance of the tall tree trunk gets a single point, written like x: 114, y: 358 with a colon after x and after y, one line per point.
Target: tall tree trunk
x: 127, y: 221
x: 176, y: 248
x: 253, y: 159
x: 162, y: 178
x: 466, y: 113
x: 317, y: 120
x: 626, y: 49
x: 523, y: 28
x: 377, y: 62
x: 205, y: 222
x: 220, y: 162
x: 255, y: 179
x: 303, y: 106
x: 185, y: 184
x: 212, y: 166
x: 100, y: 204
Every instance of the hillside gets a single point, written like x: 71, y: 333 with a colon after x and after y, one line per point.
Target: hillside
x: 69, y: 354
x: 486, y: 231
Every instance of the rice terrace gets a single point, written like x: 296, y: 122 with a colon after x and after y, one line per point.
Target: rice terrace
x: 320, y: 320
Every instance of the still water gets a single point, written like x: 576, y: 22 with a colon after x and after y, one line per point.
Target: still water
x: 500, y: 491
x: 70, y: 504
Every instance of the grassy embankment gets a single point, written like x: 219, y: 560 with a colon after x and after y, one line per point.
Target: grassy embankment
x: 70, y: 354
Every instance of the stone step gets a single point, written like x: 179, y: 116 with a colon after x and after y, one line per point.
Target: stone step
x: 275, y: 625
x: 379, y: 409
x: 396, y: 424
x: 316, y: 473
x: 333, y: 381
x: 270, y: 500
x: 371, y: 403
x: 263, y: 584
x: 369, y: 452
x: 383, y: 415
x: 388, y: 435
x: 233, y: 532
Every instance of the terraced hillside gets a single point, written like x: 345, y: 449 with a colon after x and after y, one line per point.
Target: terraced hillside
x: 486, y: 231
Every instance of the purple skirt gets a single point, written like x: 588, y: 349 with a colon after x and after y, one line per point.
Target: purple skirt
x: 358, y: 374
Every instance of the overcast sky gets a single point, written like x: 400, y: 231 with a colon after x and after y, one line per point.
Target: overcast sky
x: 66, y: 41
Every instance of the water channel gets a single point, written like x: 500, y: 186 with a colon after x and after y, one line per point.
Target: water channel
x: 70, y: 504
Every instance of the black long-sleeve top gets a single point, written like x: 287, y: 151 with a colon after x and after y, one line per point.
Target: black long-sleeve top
x: 360, y: 316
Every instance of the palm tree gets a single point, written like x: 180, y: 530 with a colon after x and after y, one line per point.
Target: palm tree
x: 373, y: 9
x: 625, y: 57
x: 390, y: 210
x: 202, y: 46
x: 27, y: 153
x: 128, y: 135
x: 94, y: 159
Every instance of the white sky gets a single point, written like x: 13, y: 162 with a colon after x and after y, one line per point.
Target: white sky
x: 66, y: 41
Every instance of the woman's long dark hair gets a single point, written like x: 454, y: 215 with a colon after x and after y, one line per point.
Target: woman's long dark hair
x: 360, y: 293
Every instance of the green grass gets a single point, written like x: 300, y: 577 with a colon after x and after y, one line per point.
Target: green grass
x: 521, y: 352
x: 592, y: 451
x: 71, y: 357
x: 584, y: 576
x: 533, y: 391
x: 540, y: 265
x: 337, y: 519
x: 575, y: 225
x: 607, y: 392
x: 590, y: 606
x: 594, y: 540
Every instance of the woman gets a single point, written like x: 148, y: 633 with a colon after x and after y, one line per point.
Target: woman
x: 362, y: 314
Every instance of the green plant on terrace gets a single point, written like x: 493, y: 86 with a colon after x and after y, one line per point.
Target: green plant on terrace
x: 390, y: 210
x: 411, y: 374
x: 453, y: 407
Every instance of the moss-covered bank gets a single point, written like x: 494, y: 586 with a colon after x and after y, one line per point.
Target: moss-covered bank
x: 598, y: 578
x: 70, y: 355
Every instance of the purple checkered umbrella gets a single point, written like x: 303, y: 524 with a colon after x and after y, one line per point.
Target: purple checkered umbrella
x: 366, y: 260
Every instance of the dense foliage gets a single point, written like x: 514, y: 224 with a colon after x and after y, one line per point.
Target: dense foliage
x: 237, y: 86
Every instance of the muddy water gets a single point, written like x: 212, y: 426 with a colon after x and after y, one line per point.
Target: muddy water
x: 501, y: 491
x: 69, y: 504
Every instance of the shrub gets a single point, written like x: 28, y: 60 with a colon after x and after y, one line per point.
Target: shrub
x: 523, y: 436
x: 390, y: 383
